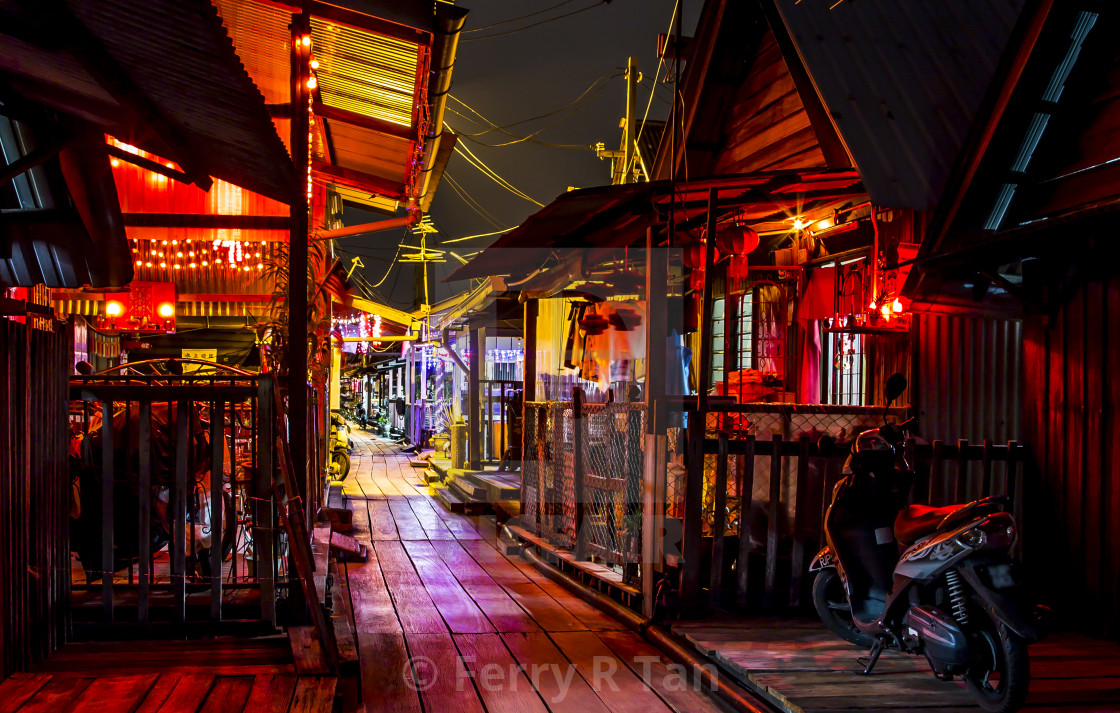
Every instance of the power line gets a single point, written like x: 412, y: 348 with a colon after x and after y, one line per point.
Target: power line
x: 480, y: 235
x: 515, y: 19
x: 492, y: 175
x: 471, y: 202
x: 536, y: 24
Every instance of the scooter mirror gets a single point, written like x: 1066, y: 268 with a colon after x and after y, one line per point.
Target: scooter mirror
x: 895, y: 386
x: 826, y: 446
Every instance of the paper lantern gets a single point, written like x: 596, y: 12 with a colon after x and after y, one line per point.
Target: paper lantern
x: 693, y: 255
x: 737, y: 267
x: 736, y: 239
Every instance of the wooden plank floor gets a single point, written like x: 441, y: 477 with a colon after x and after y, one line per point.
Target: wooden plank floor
x: 803, y: 668
x: 229, y: 675
x: 445, y: 621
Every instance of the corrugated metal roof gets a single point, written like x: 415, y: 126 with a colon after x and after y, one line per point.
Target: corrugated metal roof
x: 903, y: 82
x: 178, y: 53
x: 366, y: 73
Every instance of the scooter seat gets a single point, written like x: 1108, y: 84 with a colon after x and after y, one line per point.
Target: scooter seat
x: 916, y: 521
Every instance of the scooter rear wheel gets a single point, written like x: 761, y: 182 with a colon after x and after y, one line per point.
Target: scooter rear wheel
x: 831, y: 602
x: 999, y: 676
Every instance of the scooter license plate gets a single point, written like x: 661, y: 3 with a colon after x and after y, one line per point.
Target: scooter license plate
x: 1001, y: 576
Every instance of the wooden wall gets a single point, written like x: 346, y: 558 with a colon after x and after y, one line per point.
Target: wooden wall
x: 1072, y: 423
x: 34, y: 492
x: 766, y: 127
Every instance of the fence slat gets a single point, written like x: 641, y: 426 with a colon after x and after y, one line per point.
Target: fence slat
x: 264, y: 533
x: 961, y: 489
x: 986, y: 467
x: 772, y: 523
x: 797, y: 556
x: 145, y: 514
x: 179, y: 509
x: 107, y: 509
x: 217, y: 496
x: 746, y: 519
x: 719, y: 520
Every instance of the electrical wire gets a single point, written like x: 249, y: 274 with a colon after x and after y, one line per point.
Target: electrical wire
x: 480, y: 235
x: 616, y: 72
x: 515, y: 19
x: 536, y: 24
x: 471, y: 202
x: 492, y: 175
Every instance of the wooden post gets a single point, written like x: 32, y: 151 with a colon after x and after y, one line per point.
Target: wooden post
x: 578, y: 426
x: 474, y: 419
x: 297, y: 260
x: 529, y: 393
x: 653, y: 510
x: 217, y: 493
x: 264, y: 519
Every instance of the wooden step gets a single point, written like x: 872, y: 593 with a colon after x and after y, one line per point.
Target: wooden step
x: 450, y: 501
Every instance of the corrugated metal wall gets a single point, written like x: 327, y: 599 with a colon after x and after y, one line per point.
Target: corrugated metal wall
x: 1071, y: 400
x: 969, y: 378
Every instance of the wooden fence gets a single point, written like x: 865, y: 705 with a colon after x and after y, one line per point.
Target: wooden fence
x: 168, y: 456
x: 34, y: 491
x: 723, y: 567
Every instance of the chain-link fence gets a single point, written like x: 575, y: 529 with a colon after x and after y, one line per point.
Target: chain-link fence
x: 611, y: 438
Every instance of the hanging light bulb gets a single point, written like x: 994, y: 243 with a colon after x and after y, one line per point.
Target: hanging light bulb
x: 314, y: 64
x: 312, y: 82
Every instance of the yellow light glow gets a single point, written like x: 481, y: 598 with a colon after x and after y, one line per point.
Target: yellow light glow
x: 147, y: 264
x: 179, y: 254
x: 872, y: 306
x: 139, y: 262
x: 193, y: 265
x: 176, y: 266
x: 166, y: 310
x: 314, y: 64
x: 312, y: 82
x: 204, y: 263
x: 163, y: 264
x: 306, y: 40
x: 886, y: 311
x: 896, y: 305
x: 798, y: 224
x: 115, y: 163
x: 113, y: 308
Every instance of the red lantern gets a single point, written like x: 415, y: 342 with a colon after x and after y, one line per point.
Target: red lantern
x: 737, y: 268
x: 693, y: 256
x: 737, y: 239
x: 696, y: 280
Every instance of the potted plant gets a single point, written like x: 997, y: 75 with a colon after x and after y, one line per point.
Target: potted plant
x: 441, y: 437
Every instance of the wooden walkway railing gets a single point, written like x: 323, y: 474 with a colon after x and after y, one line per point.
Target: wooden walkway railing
x: 799, y: 486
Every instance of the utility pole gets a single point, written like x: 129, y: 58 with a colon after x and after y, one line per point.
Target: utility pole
x: 630, y: 132
x: 626, y: 171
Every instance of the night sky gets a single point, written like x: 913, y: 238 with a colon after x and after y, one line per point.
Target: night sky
x: 511, y: 72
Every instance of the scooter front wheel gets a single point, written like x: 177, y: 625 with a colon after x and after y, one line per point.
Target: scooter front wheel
x: 831, y: 602
x: 341, y: 460
x: 999, y: 676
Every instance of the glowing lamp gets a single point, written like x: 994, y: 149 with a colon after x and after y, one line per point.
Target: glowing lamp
x: 886, y: 312
x: 166, y: 310
x: 872, y: 306
x: 113, y: 309
x: 305, y: 40
x: 311, y: 82
x: 314, y: 64
x: 798, y: 224
x: 896, y: 305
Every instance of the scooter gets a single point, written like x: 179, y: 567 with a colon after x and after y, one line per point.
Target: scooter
x: 934, y: 582
x: 341, y: 446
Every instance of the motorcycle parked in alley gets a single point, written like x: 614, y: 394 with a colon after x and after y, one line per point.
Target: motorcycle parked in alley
x: 929, y: 581
x: 341, y: 445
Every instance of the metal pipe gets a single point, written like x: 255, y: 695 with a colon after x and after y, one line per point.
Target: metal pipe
x: 738, y: 697
x: 375, y: 227
x: 449, y: 23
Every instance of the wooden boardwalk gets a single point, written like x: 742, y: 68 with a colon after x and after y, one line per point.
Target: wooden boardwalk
x: 230, y: 676
x: 444, y: 621
x: 801, y: 667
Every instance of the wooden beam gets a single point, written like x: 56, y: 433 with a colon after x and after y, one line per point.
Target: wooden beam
x: 365, y: 122
x: 33, y: 159
x: 474, y: 420
x: 203, y: 220
x: 146, y: 163
x: 357, y: 179
x: 297, y: 271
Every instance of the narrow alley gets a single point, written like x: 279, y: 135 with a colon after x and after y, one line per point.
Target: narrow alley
x: 445, y: 621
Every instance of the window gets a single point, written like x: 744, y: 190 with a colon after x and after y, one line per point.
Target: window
x: 844, y: 368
